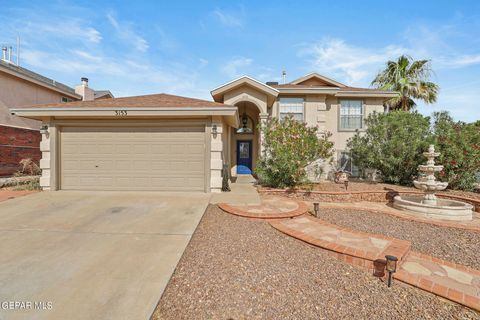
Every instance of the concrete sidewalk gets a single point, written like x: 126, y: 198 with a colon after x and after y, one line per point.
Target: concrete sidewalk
x: 243, y: 192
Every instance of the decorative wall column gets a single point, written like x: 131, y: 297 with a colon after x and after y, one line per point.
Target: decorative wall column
x: 47, y: 163
x: 216, y: 154
x: 263, y: 122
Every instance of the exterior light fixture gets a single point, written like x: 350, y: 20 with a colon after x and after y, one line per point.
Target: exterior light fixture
x: 244, y: 120
x: 346, y: 184
x: 391, y: 267
x: 316, y: 208
x: 214, y: 129
x: 44, y: 129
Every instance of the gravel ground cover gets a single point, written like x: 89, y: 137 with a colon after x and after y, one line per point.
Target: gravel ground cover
x: 236, y: 268
x: 459, y: 246
x: 365, y: 186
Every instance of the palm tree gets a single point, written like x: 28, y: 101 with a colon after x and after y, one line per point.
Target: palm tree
x: 410, y: 79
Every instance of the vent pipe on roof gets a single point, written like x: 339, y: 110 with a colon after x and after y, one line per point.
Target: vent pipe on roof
x: 10, y: 50
x: 4, y: 49
x: 284, y: 76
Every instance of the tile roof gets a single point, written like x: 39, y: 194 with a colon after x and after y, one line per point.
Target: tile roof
x: 147, y: 101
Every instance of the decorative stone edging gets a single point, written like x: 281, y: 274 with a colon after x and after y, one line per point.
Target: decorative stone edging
x: 301, y: 209
x: 357, y: 196
x: 437, y: 288
x: 399, y: 248
x: 446, y: 224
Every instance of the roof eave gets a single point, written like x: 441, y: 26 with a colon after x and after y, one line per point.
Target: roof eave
x: 218, y: 92
x: 40, y: 83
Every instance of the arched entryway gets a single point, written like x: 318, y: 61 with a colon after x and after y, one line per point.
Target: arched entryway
x: 246, y: 139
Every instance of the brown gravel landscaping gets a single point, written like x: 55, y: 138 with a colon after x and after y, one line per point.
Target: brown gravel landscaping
x: 236, y: 268
x: 456, y: 245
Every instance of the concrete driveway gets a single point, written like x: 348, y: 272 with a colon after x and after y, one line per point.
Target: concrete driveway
x: 92, y: 255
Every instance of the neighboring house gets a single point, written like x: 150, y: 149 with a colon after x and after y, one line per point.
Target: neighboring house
x: 171, y: 143
x: 20, y: 137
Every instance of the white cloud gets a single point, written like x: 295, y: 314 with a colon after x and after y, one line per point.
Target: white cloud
x: 125, y: 32
x: 354, y: 64
x: 236, y: 66
x: 72, y: 28
x: 231, y: 20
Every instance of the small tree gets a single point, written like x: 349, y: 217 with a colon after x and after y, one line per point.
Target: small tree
x: 459, y: 147
x: 289, y: 146
x: 393, y: 143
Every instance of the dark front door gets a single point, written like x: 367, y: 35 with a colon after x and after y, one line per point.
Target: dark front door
x: 244, y: 157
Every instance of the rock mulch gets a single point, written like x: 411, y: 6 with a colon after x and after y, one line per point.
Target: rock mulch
x: 237, y: 268
x: 456, y: 245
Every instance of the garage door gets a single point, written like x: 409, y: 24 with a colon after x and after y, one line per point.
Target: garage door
x: 131, y: 158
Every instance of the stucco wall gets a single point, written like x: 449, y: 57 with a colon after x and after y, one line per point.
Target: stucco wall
x: 16, y: 92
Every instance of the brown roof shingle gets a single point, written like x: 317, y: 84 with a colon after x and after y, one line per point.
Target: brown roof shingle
x: 147, y: 101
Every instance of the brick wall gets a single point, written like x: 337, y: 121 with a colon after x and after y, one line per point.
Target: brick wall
x: 17, y: 144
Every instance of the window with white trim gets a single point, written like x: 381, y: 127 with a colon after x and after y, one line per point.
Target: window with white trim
x: 351, y: 114
x: 291, y: 107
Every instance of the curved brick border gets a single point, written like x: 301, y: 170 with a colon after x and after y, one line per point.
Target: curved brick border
x: 401, y: 248
x: 436, y: 288
x: 356, y: 196
x: 401, y: 215
x: 301, y: 209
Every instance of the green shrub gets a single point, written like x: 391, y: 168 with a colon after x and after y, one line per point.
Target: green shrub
x: 459, y: 147
x: 289, y: 146
x: 393, y: 144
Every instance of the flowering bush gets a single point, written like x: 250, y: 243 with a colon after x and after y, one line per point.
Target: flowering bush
x: 289, y: 146
x: 393, y: 144
x: 459, y: 147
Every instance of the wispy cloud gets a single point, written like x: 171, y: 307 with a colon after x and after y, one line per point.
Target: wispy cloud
x: 236, y: 66
x: 354, y: 64
x: 125, y: 32
x: 230, y: 19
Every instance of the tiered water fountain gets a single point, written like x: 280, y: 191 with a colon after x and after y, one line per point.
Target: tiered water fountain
x: 429, y: 205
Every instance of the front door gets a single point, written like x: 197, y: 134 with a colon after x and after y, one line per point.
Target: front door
x: 244, y: 157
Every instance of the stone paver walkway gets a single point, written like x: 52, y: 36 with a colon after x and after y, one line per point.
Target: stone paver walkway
x: 343, y: 240
x: 385, y: 208
x: 12, y: 194
x: 453, y: 281
x: 449, y: 280
x: 269, y: 208
x: 242, y: 192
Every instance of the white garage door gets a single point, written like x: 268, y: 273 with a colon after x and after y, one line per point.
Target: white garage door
x: 133, y: 158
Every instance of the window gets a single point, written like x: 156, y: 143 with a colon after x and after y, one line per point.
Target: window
x: 64, y: 99
x: 351, y: 114
x: 291, y: 107
x: 345, y: 163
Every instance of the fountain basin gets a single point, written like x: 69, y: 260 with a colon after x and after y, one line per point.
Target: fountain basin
x: 444, y: 209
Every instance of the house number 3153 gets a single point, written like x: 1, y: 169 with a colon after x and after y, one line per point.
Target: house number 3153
x: 120, y: 112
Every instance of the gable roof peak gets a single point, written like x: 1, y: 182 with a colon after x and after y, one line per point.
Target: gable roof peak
x: 320, y: 77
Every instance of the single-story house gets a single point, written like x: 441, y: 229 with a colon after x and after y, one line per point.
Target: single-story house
x: 171, y: 143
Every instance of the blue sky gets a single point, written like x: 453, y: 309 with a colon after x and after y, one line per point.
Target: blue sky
x: 190, y: 47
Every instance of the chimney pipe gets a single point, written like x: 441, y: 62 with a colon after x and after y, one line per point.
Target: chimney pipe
x: 4, y: 49
x: 10, y: 50
x: 84, y: 81
x: 284, y: 76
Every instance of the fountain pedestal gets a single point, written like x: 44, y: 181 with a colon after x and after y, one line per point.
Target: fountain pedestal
x: 429, y: 205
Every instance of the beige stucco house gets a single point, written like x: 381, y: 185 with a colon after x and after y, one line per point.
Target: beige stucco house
x: 172, y: 143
